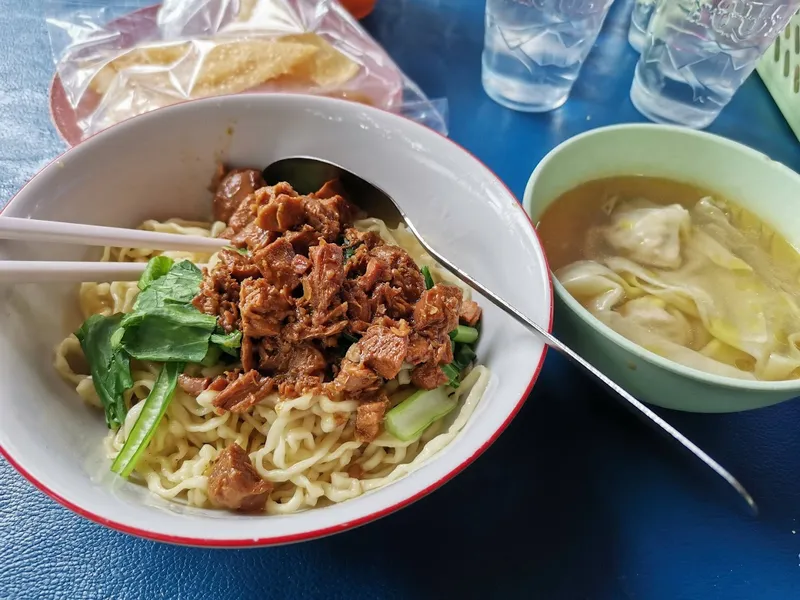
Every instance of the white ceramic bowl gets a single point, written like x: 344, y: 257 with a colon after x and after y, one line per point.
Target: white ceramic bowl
x: 159, y: 166
x: 766, y: 188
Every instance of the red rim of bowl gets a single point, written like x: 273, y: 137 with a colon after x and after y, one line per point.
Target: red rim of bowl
x: 317, y: 533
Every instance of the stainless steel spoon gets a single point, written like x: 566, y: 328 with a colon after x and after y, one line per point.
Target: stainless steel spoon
x: 308, y: 174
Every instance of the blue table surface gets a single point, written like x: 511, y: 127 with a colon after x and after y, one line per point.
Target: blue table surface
x: 575, y: 500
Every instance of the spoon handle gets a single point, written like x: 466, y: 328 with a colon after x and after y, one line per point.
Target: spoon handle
x: 650, y: 417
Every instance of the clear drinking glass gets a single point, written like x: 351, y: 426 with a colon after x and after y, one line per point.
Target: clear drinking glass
x: 699, y: 52
x: 640, y: 17
x: 534, y: 49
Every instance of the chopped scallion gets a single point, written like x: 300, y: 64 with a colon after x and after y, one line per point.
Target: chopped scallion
x: 412, y: 416
x: 464, y: 335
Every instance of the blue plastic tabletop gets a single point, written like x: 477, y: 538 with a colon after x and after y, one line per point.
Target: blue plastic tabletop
x: 575, y: 500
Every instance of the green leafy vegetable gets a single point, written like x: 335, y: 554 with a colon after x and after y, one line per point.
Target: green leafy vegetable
x: 168, y: 333
x: 412, y: 416
x: 155, y: 405
x: 178, y: 286
x: 426, y: 275
x: 453, y: 374
x: 348, y: 253
x: 212, y: 356
x: 464, y: 355
x: 227, y: 342
x: 464, y: 334
x: 157, y: 267
x: 242, y: 251
x: 109, y: 365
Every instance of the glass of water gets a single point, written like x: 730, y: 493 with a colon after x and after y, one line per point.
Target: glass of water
x: 699, y: 52
x: 640, y: 17
x: 534, y: 49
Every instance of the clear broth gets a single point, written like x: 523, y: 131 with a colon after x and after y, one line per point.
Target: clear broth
x: 564, y: 225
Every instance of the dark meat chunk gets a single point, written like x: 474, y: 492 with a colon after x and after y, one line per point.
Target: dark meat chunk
x: 470, y: 313
x: 369, y: 417
x: 298, y: 368
x: 303, y: 239
x: 326, y: 277
x: 359, y: 307
x: 238, y: 265
x: 282, y: 213
x: 354, y: 237
x: 306, y: 360
x: 263, y: 308
x: 289, y: 358
x: 404, y: 271
x: 277, y: 266
x: 272, y: 355
x: 323, y: 216
x: 306, y: 329
x: 420, y: 349
x: 389, y: 300
x: 354, y: 378
x: 244, y: 218
x: 252, y: 237
x: 241, y: 218
x: 247, y: 353
x: 249, y: 389
x: 378, y: 355
x: 383, y: 349
x: 233, y: 189
x: 234, y: 482
x: 194, y: 386
x: 329, y: 189
x: 304, y: 372
x: 437, y: 310
x: 443, y: 350
x: 219, y: 296
x: 356, y: 265
x: 221, y: 382
x: 377, y: 271
x: 428, y: 376
x: 300, y: 264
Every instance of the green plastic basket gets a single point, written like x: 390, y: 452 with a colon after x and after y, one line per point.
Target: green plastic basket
x: 779, y: 68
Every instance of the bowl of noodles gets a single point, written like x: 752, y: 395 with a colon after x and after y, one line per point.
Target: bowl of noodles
x: 675, y: 263
x: 317, y: 372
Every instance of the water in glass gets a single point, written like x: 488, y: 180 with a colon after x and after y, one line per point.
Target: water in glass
x: 534, y: 49
x: 699, y: 52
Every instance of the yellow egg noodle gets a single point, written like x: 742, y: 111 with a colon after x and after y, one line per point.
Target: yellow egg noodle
x: 304, y: 446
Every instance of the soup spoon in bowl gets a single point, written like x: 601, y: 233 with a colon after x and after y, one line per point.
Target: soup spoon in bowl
x: 307, y: 174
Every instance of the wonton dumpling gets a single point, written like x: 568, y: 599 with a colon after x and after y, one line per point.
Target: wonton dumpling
x: 596, y: 287
x: 659, y: 318
x: 649, y: 234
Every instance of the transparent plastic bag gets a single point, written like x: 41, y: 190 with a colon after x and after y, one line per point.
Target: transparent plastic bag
x: 121, y: 58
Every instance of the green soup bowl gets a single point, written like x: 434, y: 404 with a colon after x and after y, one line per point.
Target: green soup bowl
x: 748, y: 178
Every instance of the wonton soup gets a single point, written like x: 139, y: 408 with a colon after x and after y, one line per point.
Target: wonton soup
x: 680, y: 271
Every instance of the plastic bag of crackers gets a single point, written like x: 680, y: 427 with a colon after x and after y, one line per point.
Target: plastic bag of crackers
x: 116, y: 60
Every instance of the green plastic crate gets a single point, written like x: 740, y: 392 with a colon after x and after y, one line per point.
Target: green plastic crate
x: 779, y: 68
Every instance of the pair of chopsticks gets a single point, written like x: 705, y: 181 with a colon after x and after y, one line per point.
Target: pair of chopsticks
x: 30, y: 230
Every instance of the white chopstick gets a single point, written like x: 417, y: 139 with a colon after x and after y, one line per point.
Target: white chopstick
x: 32, y: 230
x: 25, y: 271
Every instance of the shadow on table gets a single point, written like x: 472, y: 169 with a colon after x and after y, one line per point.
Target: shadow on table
x: 527, y: 516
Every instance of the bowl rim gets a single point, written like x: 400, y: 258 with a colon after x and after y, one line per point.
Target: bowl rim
x: 608, y: 332
x: 250, y: 542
